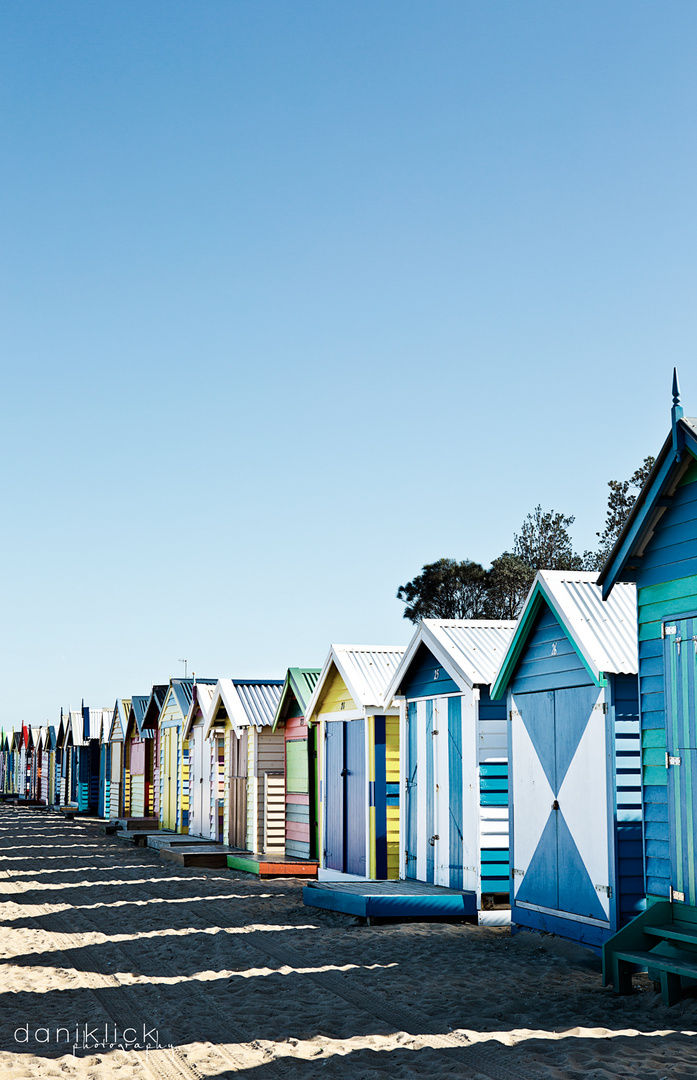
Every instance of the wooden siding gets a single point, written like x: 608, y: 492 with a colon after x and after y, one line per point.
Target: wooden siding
x: 115, y: 788
x: 549, y: 660
x: 492, y: 762
x: 298, y: 825
x: 269, y: 758
x: 666, y: 587
x: 274, y: 813
x: 427, y: 677
x: 335, y: 696
x: 392, y: 776
x: 628, y: 810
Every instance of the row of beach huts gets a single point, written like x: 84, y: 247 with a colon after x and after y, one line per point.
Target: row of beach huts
x: 541, y: 772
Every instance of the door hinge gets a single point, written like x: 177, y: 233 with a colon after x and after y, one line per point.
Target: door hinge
x: 672, y: 760
x: 517, y: 873
x: 607, y: 889
x: 675, y: 895
x: 668, y: 630
x: 605, y: 707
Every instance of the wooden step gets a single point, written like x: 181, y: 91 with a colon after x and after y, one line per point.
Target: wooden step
x: 669, y: 968
x: 207, y: 857
x: 675, y: 931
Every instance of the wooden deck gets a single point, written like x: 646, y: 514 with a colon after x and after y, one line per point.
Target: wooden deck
x: 392, y: 899
x: 271, y: 865
x: 207, y: 855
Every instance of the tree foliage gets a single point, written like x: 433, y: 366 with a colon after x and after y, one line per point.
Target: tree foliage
x: 446, y: 589
x: 623, y: 495
x: 544, y: 543
x: 508, y: 583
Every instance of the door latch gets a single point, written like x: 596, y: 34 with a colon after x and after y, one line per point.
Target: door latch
x: 675, y: 895
x: 433, y: 839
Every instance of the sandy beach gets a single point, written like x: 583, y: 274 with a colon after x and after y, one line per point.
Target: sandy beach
x: 184, y: 974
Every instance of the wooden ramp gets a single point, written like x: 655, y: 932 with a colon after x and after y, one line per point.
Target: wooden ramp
x: 164, y: 838
x: 130, y: 823
x: 392, y: 899
x: 271, y: 865
x: 211, y: 856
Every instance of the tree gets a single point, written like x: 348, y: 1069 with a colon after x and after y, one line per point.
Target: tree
x: 508, y: 583
x: 544, y: 543
x: 619, y: 502
x: 446, y: 589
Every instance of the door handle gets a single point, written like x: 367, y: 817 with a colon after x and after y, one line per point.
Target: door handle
x: 555, y: 805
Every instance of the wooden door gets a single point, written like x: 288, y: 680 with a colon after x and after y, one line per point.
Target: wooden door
x: 237, y: 791
x: 346, y: 797
x: 169, y: 778
x: 560, y: 760
x: 680, y: 659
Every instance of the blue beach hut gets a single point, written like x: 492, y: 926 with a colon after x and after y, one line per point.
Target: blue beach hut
x: 454, y: 777
x: 657, y: 549
x: 569, y: 678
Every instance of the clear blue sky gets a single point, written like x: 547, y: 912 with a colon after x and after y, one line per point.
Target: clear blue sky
x: 298, y: 296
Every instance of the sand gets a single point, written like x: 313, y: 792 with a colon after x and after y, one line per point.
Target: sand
x: 187, y: 974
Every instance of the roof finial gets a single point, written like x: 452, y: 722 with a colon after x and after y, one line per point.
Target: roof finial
x: 675, y: 414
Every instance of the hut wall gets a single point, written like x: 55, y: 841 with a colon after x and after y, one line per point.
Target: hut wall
x: 666, y: 588
x: 116, y: 781
x: 270, y: 758
x: 297, y: 788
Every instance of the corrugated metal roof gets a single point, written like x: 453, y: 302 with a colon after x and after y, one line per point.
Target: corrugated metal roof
x: 470, y: 649
x: 303, y: 682
x: 155, y: 703
x: 259, y: 699
x: 182, y: 690
x: 201, y: 701
x: 139, y: 704
x: 477, y: 646
x: 367, y: 671
x: 300, y: 683
x: 605, y: 630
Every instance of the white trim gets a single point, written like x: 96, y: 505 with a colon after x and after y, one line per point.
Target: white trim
x: 605, y: 923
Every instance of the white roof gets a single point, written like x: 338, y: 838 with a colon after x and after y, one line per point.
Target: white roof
x: 605, y: 631
x: 367, y: 671
x: 202, y: 699
x: 119, y: 720
x: 470, y: 650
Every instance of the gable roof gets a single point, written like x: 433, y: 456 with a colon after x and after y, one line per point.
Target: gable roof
x: 674, y: 458
x: 201, y: 702
x: 367, y: 671
x: 247, y: 702
x: 299, y: 683
x: 470, y: 650
x: 119, y: 720
x: 74, y: 730
x: 603, y: 632
x: 157, y: 698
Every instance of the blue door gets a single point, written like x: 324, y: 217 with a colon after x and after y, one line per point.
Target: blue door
x: 334, y: 855
x: 411, y: 808
x: 345, y: 802
x: 355, y: 776
x: 680, y: 658
x: 561, y: 772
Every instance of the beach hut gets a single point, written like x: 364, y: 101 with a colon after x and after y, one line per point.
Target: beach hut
x: 243, y: 711
x: 117, y: 728
x: 58, y: 764
x: 43, y: 765
x: 206, y: 766
x: 82, y: 779
x: 569, y: 682
x: 19, y: 761
x: 151, y: 722
x: 301, y: 823
x: 454, y: 780
x: 24, y: 762
x: 4, y: 762
x: 138, y: 761
x: 51, y: 782
x: 174, y: 755
x: 657, y: 550
x: 358, y: 762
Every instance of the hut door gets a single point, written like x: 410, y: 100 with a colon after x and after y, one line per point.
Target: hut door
x: 680, y: 658
x: 169, y: 779
x: 561, y: 852
x: 345, y: 848
x: 196, y: 781
x: 237, y: 816
x: 412, y: 796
